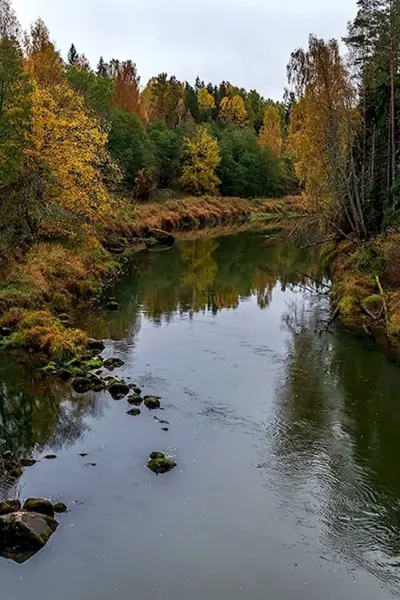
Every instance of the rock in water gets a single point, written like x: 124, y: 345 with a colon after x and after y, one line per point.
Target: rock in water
x: 134, y: 412
x: 28, y: 461
x: 152, y: 402
x: 39, y: 505
x: 22, y: 534
x: 60, y: 507
x: 159, y: 463
x: 9, y: 506
x: 135, y: 400
x: 113, y: 363
x: 118, y: 390
x: 81, y: 385
x: 96, y: 345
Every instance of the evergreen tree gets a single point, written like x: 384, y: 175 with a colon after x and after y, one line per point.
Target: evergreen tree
x: 72, y: 55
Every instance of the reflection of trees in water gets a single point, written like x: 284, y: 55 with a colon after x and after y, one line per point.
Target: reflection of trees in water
x: 334, y: 441
x: 35, y: 414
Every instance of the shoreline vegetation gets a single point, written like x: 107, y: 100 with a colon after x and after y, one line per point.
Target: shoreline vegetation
x: 40, y: 288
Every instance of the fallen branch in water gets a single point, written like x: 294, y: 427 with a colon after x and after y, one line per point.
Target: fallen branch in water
x: 314, y: 279
x: 330, y: 239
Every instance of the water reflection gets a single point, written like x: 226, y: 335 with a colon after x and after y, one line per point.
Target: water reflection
x: 334, y: 442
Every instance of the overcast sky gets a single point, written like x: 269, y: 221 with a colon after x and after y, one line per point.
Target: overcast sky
x: 246, y: 42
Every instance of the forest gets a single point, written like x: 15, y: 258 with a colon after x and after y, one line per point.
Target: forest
x: 88, y: 152
x: 76, y: 137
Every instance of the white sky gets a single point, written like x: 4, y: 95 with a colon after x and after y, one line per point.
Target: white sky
x: 246, y: 42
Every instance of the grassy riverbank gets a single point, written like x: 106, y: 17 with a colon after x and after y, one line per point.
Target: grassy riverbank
x: 39, y: 286
x: 366, y: 284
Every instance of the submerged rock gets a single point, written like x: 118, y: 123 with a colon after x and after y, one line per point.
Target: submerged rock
x: 23, y: 533
x: 96, y: 345
x: 39, y: 505
x: 82, y: 385
x: 60, y: 507
x: 9, y: 506
x: 113, y: 363
x: 50, y: 456
x: 159, y: 463
x: 96, y: 384
x: 118, y: 390
x: 135, y: 400
x: 134, y: 412
x: 113, y: 305
x: 152, y: 402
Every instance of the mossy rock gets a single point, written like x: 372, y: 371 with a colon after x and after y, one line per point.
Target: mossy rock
x: 16, y: 472
x: 118, y: 390
x: 97, y: 384
x: 40, y: 506
x: 93, y: 363
x: 113, y: 363
x: 60, y: 507
x: 9, y: 506
x: 159, y: 463
x: 82, y: 385
x: 135, y: 400
x: 134, y: 412
x: 96, y: 345
x: 152, y: 402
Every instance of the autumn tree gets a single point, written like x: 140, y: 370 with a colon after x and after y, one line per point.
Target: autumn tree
x: 206, y: 102
x: 71, y: 147
x: 163, y: 100
x: 201, y: 158
x: 233, y: 111
x: 271, y: 131
x: 43, y: 61
x: 323, y: 128
x: 127, y: 87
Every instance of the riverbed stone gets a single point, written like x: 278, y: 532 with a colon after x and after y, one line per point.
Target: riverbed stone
x: 135, y: 400
x: 81, y: 385
x: 9, y: 506
x: 39, y: 505
x: 16, y: 472
x: 159, y: 463
x: 113, y: 363
x: 60, y: 507
x: 152, y: 402
x: 96, y: 345
x: 24, y: 531
x: 118, y: 390
x: 134, y: 412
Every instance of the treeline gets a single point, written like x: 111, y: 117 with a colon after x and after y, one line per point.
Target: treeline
x: 345, y: 126
x: 72, y: 138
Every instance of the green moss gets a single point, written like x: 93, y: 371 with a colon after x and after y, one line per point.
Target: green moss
x: 372, y: 303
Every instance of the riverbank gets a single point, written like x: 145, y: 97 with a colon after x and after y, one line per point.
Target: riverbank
x: 39, y: 287
x: 366, y: 285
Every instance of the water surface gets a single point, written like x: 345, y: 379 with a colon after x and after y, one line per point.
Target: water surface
x: 287, y: 442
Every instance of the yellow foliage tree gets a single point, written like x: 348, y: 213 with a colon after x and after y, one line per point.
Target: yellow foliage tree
x: 201, y: 158
x: 70, y: 149
x: 271, y: 131
x: 206, y: 100
x: 233, y: 111
x: 43, y: 61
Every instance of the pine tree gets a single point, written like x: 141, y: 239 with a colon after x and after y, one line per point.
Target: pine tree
x: 72, y: 55
x: 102, y: 68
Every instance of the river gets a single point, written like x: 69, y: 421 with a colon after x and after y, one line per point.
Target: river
x: 286, y: 439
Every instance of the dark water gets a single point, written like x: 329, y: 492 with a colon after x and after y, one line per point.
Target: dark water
x: 287, y: 443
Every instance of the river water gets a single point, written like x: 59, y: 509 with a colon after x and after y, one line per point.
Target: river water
x: 287, y: 442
